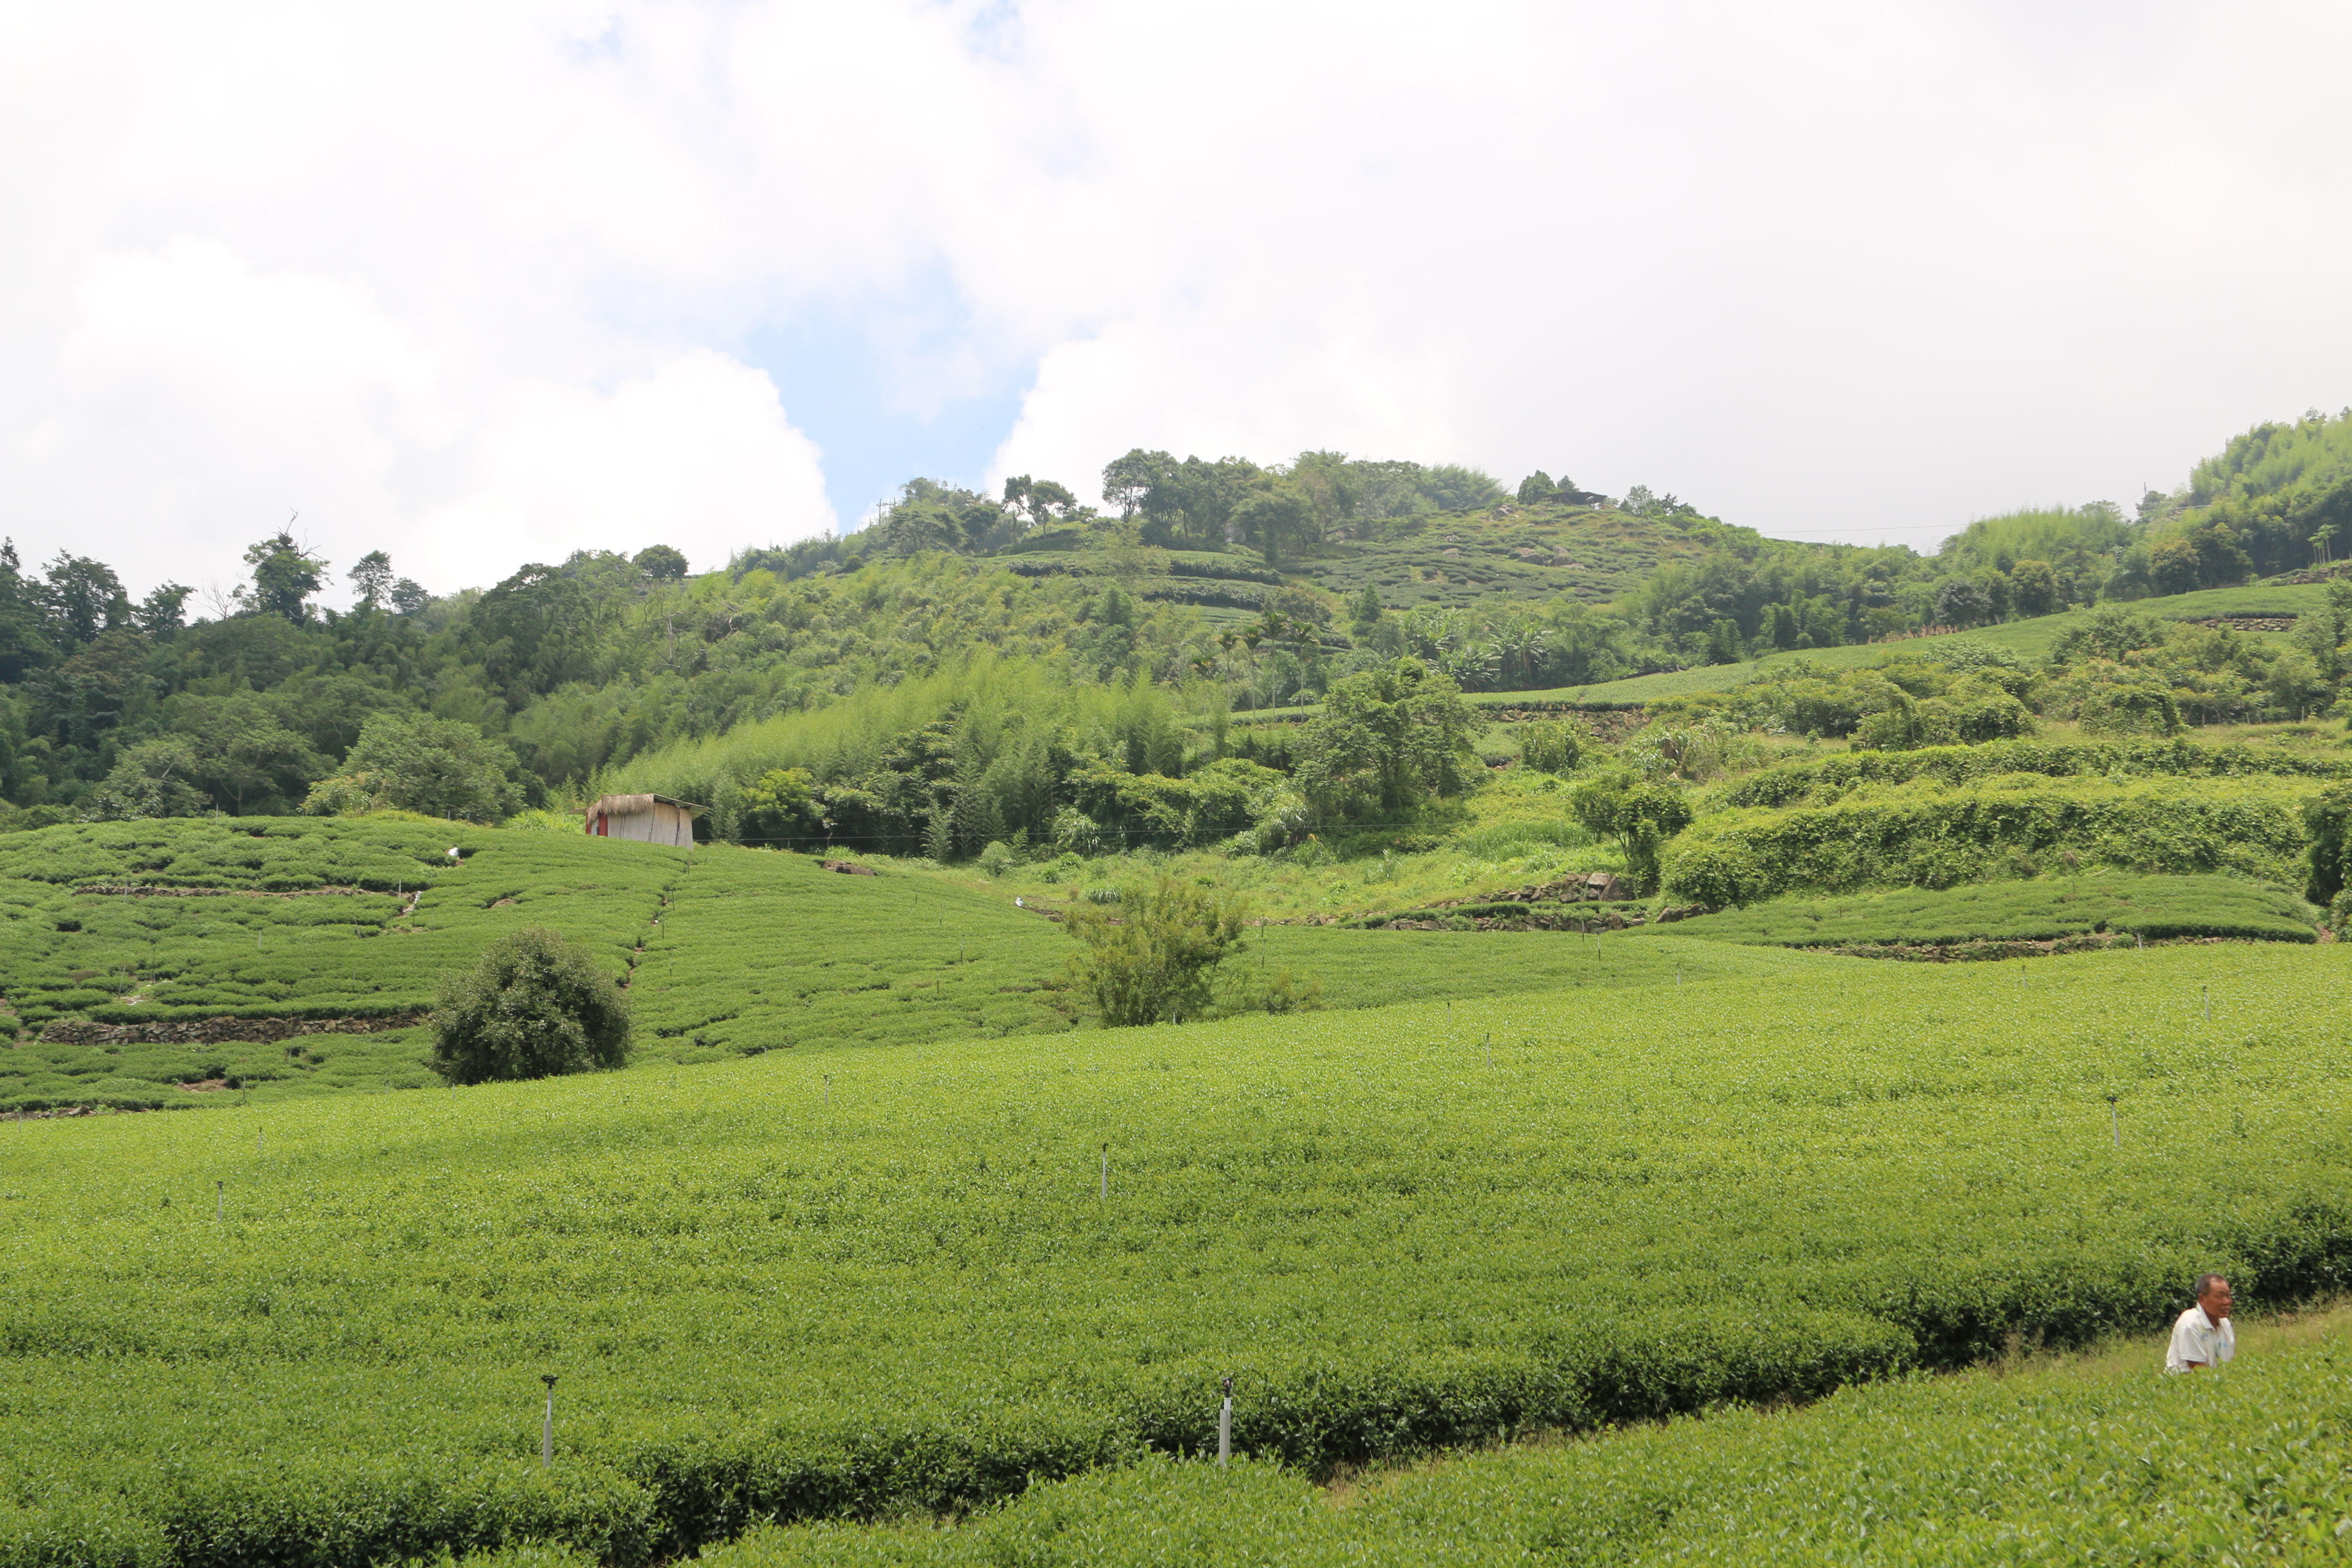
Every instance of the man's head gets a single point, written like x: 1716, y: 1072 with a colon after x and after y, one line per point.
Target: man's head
x: 2213, y: 1295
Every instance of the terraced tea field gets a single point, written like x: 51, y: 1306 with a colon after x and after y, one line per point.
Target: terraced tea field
x: 851, y: 1283
x: 136, y: 958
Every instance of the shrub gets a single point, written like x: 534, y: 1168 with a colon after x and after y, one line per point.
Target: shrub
x: 1938, y: 837
x: 2329, y: 819
x: 1157, y: 958
x: 1640, y: 816
x: 535, y: 1006
x: 998, y: 858
x: 1554, y: 748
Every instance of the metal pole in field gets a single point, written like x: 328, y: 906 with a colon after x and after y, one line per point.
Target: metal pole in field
x: 828, y: 1090
x: 220, y: 1201
x: 1490, y: 1050
x: 1105, y: 1183
x: 2115, y: 1120
x: 2208, y: 990
x: 1226, y: 1426
x: 547, y: 1427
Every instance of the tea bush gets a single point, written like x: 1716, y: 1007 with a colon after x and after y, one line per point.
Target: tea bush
x: 2056, y: 1467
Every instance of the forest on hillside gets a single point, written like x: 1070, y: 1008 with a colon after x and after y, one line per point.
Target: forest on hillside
x: 970, y: 668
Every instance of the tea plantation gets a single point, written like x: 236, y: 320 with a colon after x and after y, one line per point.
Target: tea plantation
x: 292, y: 923
x: 854, y: 1283
x: 2057, y: 1465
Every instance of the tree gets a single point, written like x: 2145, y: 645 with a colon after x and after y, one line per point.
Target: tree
x: 371, y: 577
x: 1963, y: 602
x: 244, y: 755
x: 1156, y: 958
x: 285, y: 576
x: 1274, y: 519
x: 1639, y: 815
x: 150, y: 779
x: 1535, y: 487
x: 82, y: 597
x: 1385, y: 739
x: 780, y: 806
x: 661, y: 563
x: 164, y: 611
x: 408, y: 597
x: 1364, y: 611
x: 2329, y: 821
x: 2034, y: 587
x: 1329, y: 482
x: 413, y: 762
x: 2325, y: 632
x: 535, y: 1006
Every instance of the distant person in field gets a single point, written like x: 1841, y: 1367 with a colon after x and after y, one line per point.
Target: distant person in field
x: 2203, y: 1336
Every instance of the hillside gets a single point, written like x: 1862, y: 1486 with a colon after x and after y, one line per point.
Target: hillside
x: 1536, y: 555
x: 854, y: 1285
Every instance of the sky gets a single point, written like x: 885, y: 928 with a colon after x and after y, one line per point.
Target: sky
x: 481, y: 284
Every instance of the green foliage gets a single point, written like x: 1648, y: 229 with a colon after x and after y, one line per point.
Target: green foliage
x: 1556, y: 748
x: 1156, y: 960
x: 2329, y: 819
x: 285, y: 576
x: 152, y: 780
x: 535, y: 1006
x: 1827, y: 778
x: 780, y: 806
x: 1639, y: 814
x: 918, y: 1255
x: 660, y: 563
x: 1936, y: 837
x: 1385, y: 740
x: 2043, y: 910
x: 407, y: 762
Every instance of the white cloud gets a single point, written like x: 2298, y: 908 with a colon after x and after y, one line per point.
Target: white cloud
x: 697, y: 454
x: 473, y: 284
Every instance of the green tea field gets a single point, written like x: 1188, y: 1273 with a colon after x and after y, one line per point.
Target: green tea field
x: 2096, y: 1462
x: 856, y: 1284
x: 140, y: 958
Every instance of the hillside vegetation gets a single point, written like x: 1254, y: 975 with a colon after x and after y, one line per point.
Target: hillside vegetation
x: 852, y: 1285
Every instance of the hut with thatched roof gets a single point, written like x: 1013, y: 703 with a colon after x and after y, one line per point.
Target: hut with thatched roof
x: 649, y: 818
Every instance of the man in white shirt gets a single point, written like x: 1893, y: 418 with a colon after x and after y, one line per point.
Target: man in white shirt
x: 2203, y: 1336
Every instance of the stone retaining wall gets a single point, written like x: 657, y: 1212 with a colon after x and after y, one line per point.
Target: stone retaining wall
x: 220, y: 1031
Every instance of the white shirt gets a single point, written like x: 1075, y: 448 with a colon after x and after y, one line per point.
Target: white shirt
x: 2196, y: 1337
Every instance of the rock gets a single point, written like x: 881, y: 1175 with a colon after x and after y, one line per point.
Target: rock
x: 850, y: 869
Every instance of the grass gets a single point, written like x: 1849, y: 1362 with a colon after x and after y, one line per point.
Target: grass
x: 855, y: 1283
x: 2036, y: 910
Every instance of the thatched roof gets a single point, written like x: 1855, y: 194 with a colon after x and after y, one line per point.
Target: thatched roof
x: 630, y: 805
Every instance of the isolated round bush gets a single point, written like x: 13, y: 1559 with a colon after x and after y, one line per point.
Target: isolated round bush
x: 535, y: 1006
